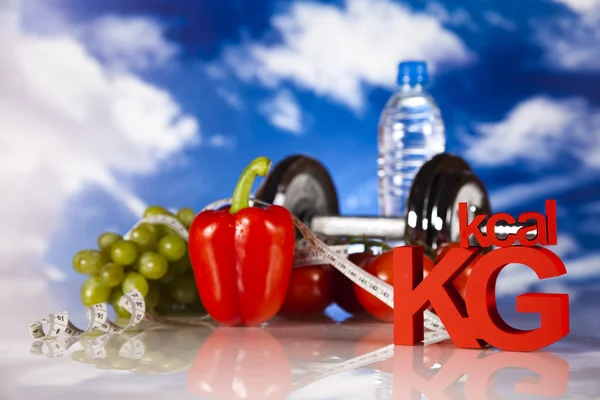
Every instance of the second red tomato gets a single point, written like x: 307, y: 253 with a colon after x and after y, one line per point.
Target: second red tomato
x: 310, y: 291
x: 343, y: 290
x: 382, y: 268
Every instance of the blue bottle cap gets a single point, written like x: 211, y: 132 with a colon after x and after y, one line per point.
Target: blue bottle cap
x: 412, y: 73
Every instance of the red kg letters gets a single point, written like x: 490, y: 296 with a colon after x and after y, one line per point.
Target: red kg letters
x: 474, y: 321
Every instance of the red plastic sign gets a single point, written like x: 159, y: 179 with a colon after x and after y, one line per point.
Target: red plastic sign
x: 475, y: 321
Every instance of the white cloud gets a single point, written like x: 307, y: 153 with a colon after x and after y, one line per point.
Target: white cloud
x: 67, y: 122
x: 458, y: 17
x: 581, y: 5
x: 231, y: 98
x: 495, y: 19
x: 55, y: 274
x: 571, y: 43
x: 539, y: 130
x: 593, y: 207
x: 520, y: 193
x: 221, y: 141
x: 566, y: 246
x: 334, y: 51
x: 283, y: 112
x: 130, y: 42
x: 215, y: 71
x: 590, y: 222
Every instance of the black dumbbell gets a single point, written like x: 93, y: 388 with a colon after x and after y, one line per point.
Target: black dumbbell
x: 304, y: 186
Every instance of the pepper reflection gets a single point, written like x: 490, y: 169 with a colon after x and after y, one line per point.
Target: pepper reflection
x: 246, y: 363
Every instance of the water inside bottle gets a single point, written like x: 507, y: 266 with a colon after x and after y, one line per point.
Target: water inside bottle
x: 411, y: 132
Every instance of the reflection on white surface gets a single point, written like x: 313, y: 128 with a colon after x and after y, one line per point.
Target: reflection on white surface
x: 295, y: 361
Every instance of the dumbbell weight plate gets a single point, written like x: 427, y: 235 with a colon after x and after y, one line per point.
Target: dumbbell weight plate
x: 451, y: 189
x: 417, y: 216
x: 270, y: 185
x: 303, y: 186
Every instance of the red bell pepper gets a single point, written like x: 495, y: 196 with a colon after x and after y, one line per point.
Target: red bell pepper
x: 242, y: 256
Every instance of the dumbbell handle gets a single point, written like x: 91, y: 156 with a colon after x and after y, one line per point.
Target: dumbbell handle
x: 390, y: 228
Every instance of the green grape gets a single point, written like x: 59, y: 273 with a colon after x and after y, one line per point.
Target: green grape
x: 122, y: 363
x: 169, y: 364
x: 107, y: 239
x: 184, y: 290
x: 168, y: 277
x: 111, y: 353
x: 124, y: 252
x: 115, y: 343
x: 186, y: 216
x: 183, y: 337
x: 152, y: 265
x: 155, y: 229
x: 122, y: 322
x: 89, y: 262
x: 151, y: 357
x: 79, y: 355
x: 94, y: 291
x: 104, y: 365
x: 142, y: 369
x: 145, y: 239
x: 115, y: 295
x: 152, y: 297
x: 111, y: 274
x: 156, y: 210
x: 180, y: 266
x: 167, y: 231
x: 133, y: 280
x: 173, y: 247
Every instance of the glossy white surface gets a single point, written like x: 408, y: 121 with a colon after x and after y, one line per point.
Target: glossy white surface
x: 288, y: 360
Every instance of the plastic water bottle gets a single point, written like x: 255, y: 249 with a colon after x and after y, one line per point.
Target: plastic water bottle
x: 411, y: 131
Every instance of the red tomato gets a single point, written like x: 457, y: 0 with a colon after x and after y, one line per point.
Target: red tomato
x: 382, y: 268
x: 441, y: 251
x: 343, y: 288
x: 310, y: 291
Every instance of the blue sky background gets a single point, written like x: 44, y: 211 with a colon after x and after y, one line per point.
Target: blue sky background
x: 106, y: 107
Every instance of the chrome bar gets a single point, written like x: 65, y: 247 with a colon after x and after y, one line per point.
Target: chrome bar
x: 384, y: 227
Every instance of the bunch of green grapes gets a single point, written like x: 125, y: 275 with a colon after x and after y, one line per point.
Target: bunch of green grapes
x: 154, y: 260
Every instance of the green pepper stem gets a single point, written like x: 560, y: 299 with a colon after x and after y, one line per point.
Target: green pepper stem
x: 241, y: 195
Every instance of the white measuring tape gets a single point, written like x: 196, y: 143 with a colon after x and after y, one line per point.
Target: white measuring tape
x: 59, y: 324
x: 378, y: 288
x: 307, y: 257
x: 161, y: 219
x: 94, y: 347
